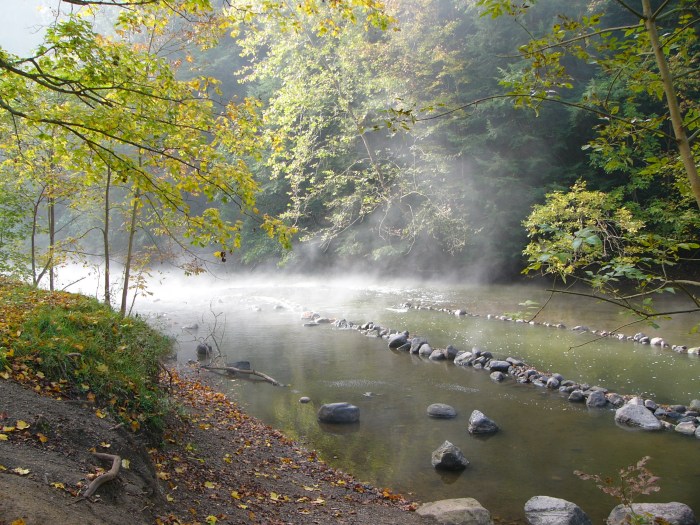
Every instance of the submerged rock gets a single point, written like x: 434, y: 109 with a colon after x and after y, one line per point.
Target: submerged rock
x: 544, y: 510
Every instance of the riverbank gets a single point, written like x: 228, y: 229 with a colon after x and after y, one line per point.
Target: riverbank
x: 216, y: 465
x: 95, y: 430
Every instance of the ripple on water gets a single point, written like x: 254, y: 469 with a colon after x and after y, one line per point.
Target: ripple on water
x: 353, y: 383
x: 457, y: 388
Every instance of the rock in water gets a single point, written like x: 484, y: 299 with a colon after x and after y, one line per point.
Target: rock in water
x: 338, y: 413
x: 441, y: 411
x: 449, y: 457
x: 637, y: 416
x: 480, y: 424
x: 544, y: 510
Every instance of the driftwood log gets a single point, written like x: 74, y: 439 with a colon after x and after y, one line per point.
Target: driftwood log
x: 233, y: 370
x: 107, y: 476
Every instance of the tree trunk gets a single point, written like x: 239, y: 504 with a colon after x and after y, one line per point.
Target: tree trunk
x: 129, y: 252
x: 105, y: 236
x: 682, y: 141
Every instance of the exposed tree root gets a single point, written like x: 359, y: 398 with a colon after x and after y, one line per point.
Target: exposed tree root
x: 107, y: 476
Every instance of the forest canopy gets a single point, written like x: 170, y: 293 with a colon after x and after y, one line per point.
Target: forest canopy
x: 427, y: 136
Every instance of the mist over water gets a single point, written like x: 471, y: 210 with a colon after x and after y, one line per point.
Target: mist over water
x: 543, y: 437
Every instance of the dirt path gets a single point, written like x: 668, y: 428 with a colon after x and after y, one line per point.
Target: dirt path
x: 217, y: 465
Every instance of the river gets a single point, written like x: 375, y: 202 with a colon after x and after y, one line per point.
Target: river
x: 543, y: 437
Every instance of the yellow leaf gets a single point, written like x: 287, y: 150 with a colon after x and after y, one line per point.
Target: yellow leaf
x: 3, y: 437
x: 100, y: 414
x: 58, y: 485
x: 180, y: 470
x: 21, y: 425
x: 126, y: 464
x: 42, y: 437
x: 210, y: 484
x: 211, y: 520
x: 4, y: 375
x: 241, y: 506
x: 19, y: 521
x: 169, y: 498
x: 105, y: 445
x: 40, y: 374
x: 8, y: 429
x: 163, y: 475
x: 274, y: 496
x: 102, y: 368
x: 21, y: 471
x: 235, y: 494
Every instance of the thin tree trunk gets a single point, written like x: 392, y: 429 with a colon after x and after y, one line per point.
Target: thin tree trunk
x: 52, y: 236
x: 129, y: 252
x: 105, y: 236
x: 682, y: 141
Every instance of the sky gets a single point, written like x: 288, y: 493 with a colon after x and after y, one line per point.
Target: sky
x: 22, y: 22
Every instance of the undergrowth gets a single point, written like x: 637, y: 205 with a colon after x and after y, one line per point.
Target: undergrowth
x: 72, y: 346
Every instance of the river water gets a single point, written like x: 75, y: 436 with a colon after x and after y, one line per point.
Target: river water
x: 543, y: 437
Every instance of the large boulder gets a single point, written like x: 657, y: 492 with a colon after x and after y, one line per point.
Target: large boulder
x: 596, y: 399
x: 544, y: 510
x: 338, y: 413
x: 480, y: 424
x: 449, y: 457
x: 638, y: 416
x: 459, y: 511
x: 674, y: 513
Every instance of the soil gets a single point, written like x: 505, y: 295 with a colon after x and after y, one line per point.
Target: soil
x: 214, y: 464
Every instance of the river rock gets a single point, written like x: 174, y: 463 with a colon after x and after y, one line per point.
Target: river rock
x: 459, y: 511
x: 204, y: 349
x: 441, y: 411
x: 616, y: 400
x: 497, y: 376
x: 686, y: 428
x: 397, y: 340
x: 499, y: 366
x: 552, y: 383
x: 674, y: 513
x: 304, y: 399
x: 416, y: 343
x: 544, y: 510
x: 695, y: 405
x: 449, y: 457
x: 425, y: 350
x: 596, y: 399
x: 437, y: 355
x: 480, y: 424
x: 638, y: 416
x: 464, y: 359
x: 577, y: 396
x: 338, y: 413
x: 450, y: 352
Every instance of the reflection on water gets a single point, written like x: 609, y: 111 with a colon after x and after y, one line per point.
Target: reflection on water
x: 543, y: 437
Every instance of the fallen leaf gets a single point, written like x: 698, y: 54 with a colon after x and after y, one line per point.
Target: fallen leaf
x: 3, y: 437
x: 210, y: 484
x: 105, y: 444
x: 21, y: 471
x: 126, y: 464
x: 100, y: 414
x: 235, y: 494
x: 42, y: 437
x: 163, y: 475
x: 169, y: 498
x: 211, y: 520
x: 57, y: 485
x: 8, y: 429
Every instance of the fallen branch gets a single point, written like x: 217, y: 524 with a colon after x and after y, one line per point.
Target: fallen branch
x: 234, y: 370
x: 107, y: 476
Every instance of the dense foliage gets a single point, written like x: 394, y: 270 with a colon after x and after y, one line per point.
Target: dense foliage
x: 388, y: 135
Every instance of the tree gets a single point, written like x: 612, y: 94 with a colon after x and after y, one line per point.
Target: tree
x: 645, y: 94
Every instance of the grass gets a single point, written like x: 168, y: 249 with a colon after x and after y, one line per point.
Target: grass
x: 73, y: 346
